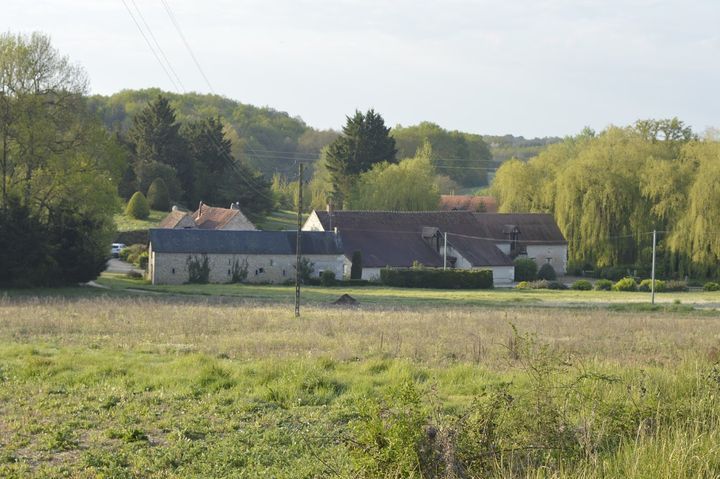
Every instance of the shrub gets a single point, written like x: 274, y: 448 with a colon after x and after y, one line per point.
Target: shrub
x: 625, y: 284
x: 306, y: 270
x: 547, y: 272
x: 525, y: 269
x: 327, y: 278
x: 198, y: 269
x: 239, y: 271
x: 437, y: 278
x: 646, y: 286
x: 133, y: 253
x: 356, y: 268
x: 676, y: 286
x: 603, y: 285
x: 614, y: 273
x: 711, y: 286
x: 158, y: 196
x: 581, y: 285
x: 541, y: 284
x: 138, y: 207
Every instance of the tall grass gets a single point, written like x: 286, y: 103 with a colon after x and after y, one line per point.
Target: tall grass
x: 152, y: 387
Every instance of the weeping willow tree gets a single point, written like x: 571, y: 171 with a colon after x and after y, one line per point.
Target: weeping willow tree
x: 609, y: 191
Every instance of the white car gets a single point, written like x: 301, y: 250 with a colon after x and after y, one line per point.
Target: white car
x: 116, y: 248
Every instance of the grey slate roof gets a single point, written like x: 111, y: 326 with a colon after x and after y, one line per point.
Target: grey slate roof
x: 479, y: 252
x: 538, y: 228
x: 396, y: 238
x: 197, y: 241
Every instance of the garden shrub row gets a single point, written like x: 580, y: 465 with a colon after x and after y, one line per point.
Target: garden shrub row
x: 436, y: 278
x: 541, y: 284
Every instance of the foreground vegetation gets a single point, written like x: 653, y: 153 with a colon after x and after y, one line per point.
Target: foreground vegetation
x: 172, y: 387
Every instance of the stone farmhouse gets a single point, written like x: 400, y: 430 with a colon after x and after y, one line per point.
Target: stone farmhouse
x: 258, y: 256
x: 208, y: 218
x: 474, y: 240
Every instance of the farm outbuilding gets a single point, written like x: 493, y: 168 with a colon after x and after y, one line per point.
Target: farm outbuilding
x: 257, y: 256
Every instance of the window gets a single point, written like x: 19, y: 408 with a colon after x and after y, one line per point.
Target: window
x: 261, y: 270
x: 272, y: 262
x: 283, y: 272
x: 173, y: 271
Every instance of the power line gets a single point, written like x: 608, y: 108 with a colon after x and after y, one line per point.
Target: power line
x: 187, y: 45
x: 157, y: 44
x: 149, y: 44
x: 212, y: 139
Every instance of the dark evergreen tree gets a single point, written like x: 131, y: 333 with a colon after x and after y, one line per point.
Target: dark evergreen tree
x: 365, y: 141
x: 356, y: 268
x: 156, y: 139
x: 220, y: 179
x: 211, y: 154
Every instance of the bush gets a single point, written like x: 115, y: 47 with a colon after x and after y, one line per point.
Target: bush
x: 356, y: 282
x: 132, y: 237
x: 676, y: 286
x: 198, y: 269
x: 541, y: 284
x: 547, y: 272
x: 525, y: 269
x: 646, y: 286
x: 614, y: 273
x: 625, y: 284
x: 158, y: 196
x: 603, y: 285
x: 327, y: 278
x: 581, y: 285
x: 437, y: 278
x: 138, y: 207
x: 711, y: 286
x: 134, y: 254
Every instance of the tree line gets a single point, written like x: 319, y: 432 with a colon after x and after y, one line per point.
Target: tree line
x: 609, y: 191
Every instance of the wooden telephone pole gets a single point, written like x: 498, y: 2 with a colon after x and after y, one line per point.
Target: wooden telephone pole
x: 297, y: 240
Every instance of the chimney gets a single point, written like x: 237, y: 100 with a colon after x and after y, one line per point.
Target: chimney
x: 174, y: 208
x: 329, y: 207
x: 234, y: 206
x: 200, y: 206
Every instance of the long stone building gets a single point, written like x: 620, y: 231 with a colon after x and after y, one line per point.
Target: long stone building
x: 257, y: 256
x: 474, y: 240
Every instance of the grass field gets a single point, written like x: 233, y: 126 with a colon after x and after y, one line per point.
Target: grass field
x: 279, y: 221
x: 107, y: 383
x: 402, y: 297
x: 126, y: 223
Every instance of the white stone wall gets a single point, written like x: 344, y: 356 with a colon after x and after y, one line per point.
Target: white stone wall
x: 556, y: 255
x: 313, y: 223
x: 171, y: 268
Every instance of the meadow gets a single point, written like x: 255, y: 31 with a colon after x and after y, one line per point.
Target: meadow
x: 115, y: 384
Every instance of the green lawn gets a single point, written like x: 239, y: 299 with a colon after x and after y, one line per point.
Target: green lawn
x: 280, y: 220
x: 403, y: 297
x: 126, y: 223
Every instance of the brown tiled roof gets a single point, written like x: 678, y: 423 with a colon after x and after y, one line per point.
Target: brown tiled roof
x: 212, y: 218
x: 487, y: 204
x: 172, y: 219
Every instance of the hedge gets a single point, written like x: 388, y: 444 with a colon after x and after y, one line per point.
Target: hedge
x: 138, y: 207
x: 132, y: 237
x: 437, y: 278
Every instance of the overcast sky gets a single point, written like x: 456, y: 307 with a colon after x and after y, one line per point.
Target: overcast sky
x: 530, y: 67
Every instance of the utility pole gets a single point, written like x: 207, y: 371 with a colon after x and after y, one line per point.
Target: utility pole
x: 445, y: 252
x: 297, y: 240
x: 652, y: 285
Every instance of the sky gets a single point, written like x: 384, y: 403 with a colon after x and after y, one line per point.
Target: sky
x: 524, y: 67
